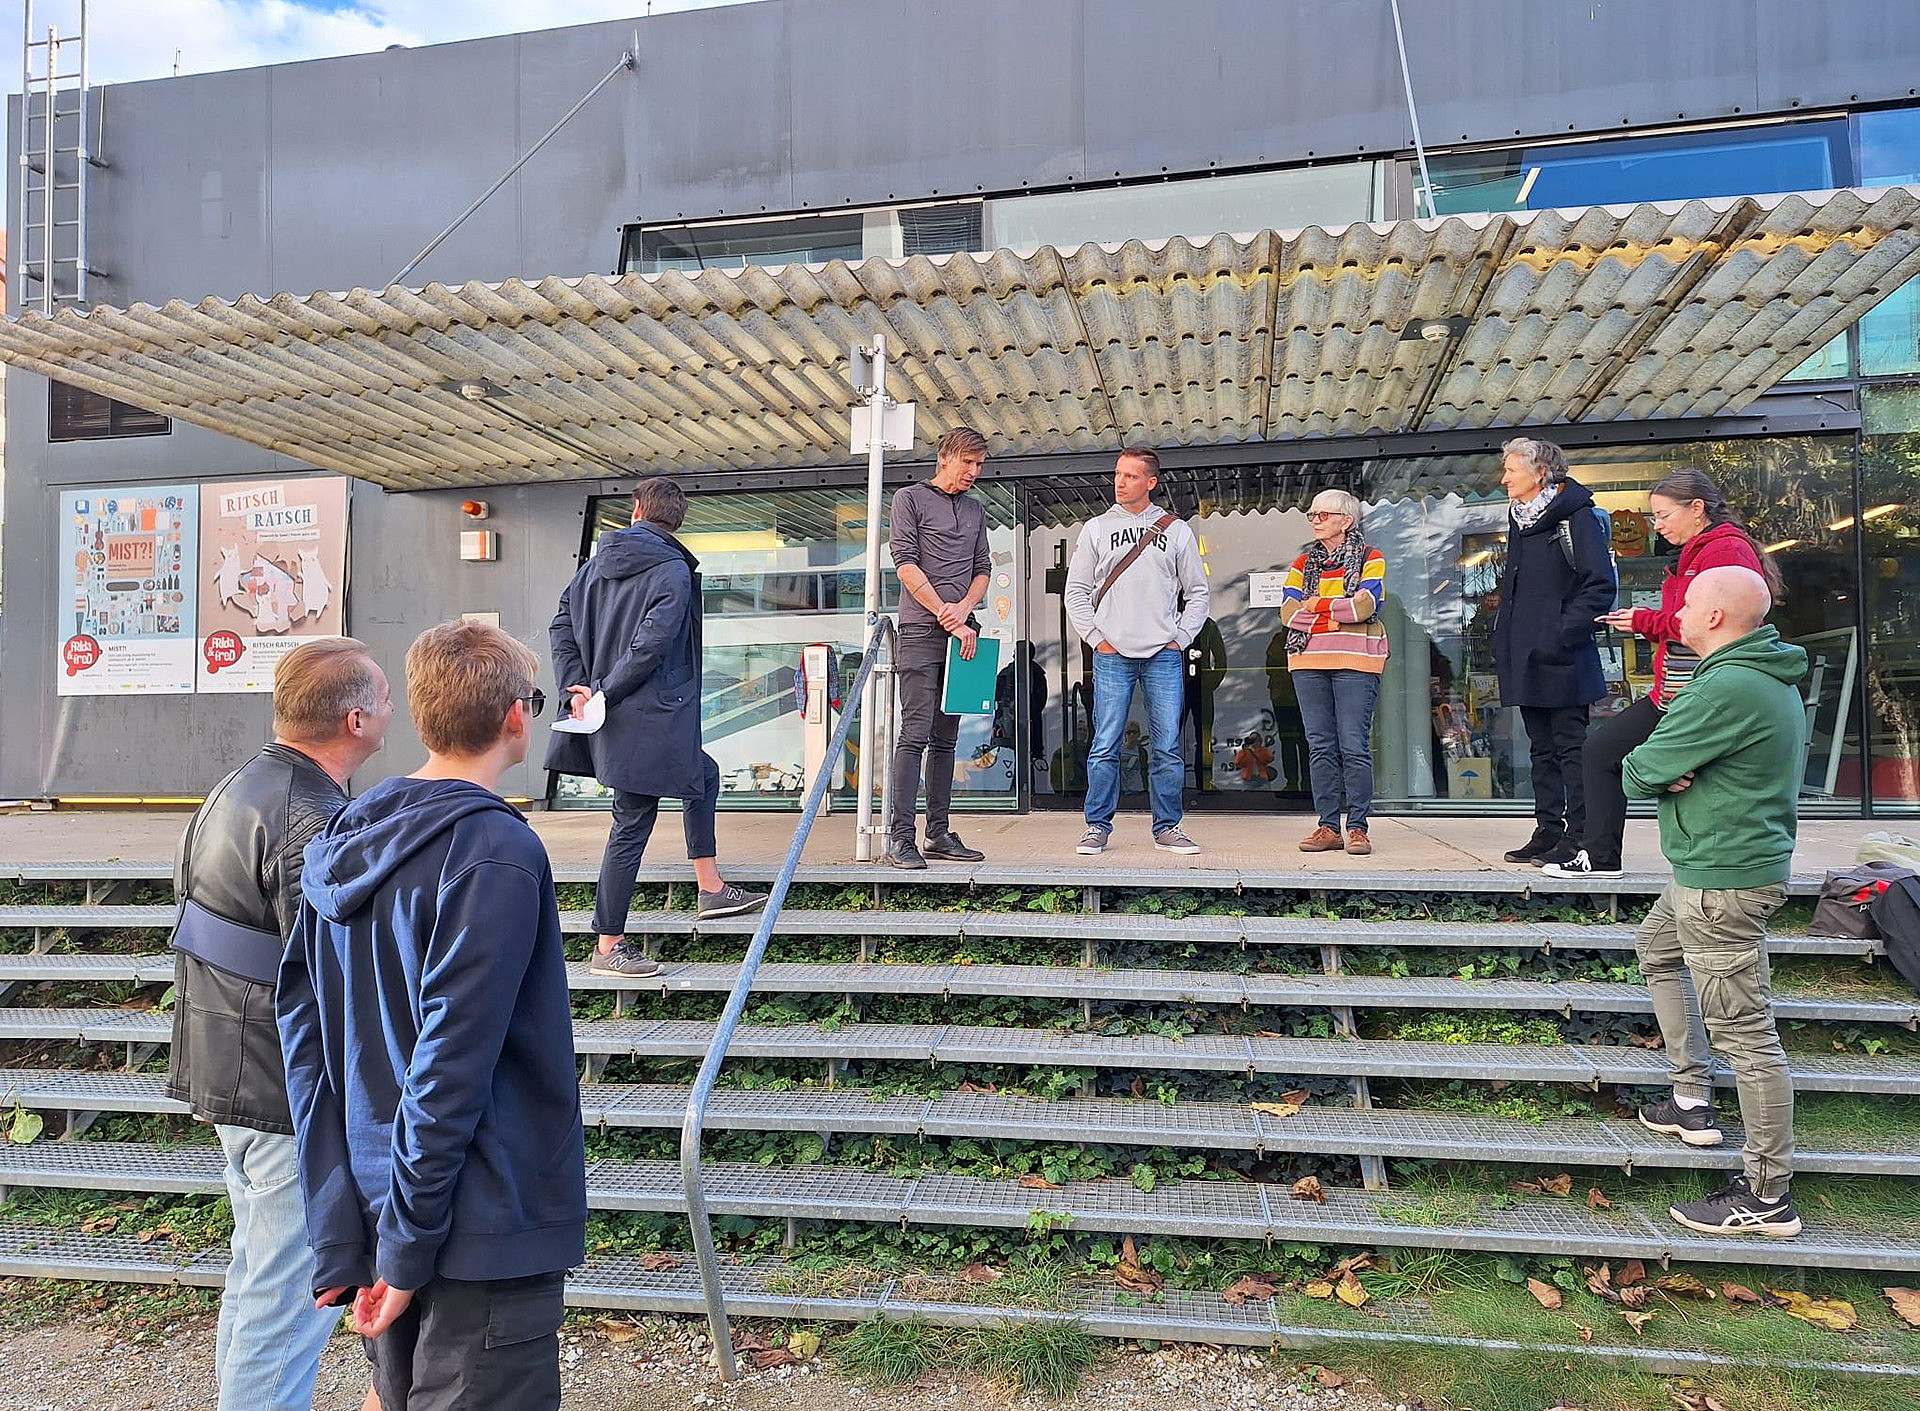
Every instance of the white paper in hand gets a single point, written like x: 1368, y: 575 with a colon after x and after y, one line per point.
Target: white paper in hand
x: 591, y: 719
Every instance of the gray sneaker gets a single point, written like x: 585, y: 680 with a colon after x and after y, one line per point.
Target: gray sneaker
x: 625, y: 959
x: 1173, y: 840
x: 730, y: 900
x: 1093, y: 842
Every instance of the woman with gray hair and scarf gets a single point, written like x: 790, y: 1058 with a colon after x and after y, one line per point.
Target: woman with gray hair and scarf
x: 1336, y: 650
x: 1556, y: 583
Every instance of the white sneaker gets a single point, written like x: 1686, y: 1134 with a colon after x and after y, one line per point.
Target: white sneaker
x: 1093, y: 842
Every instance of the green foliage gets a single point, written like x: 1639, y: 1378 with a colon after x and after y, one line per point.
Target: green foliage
x: 1045, y: 1359
x: 892, y: 1352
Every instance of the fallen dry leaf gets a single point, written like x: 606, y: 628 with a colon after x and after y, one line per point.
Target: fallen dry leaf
x: 1739, y: 1293
x: 99, y: 1225
x: 1638, y: 1321
x: 616, y: 1330
x: 1635, y: 1297
x: 1349, y: 1291
x: 1319, y: 1288
x: 1906, y: 1303
x: 1309, y: 1188
x: 1039, y: 1183
x: 1355, y: 1262
x: 1544, y: 1294
x: 1834, y: 1314
x: 1696, y: 1400
x: 658, y: 1263
x: 1586, y: 1333
x: 804, y: 1344
x: 1138, y: 1087
x: 1330, y: 1380
x: 1631, y: 1273
x: 1129, y: 1274
x: 1524, y: 1187
x: 1683, y: 1286
x: 1600, y: 1282
x: 773, y: 1357
x: 1646, y: 1041
x: 980, y: 1274
x: 1561, y: 1184
x: 1276, y: 1109
x: 972, y: 1087
x: 1598, y: 1201
x: 148, y: 1236
x: 1296, y: 1096
x: 1247, y: 1290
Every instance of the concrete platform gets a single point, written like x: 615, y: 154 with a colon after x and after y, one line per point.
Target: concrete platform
x: 1232, y: 842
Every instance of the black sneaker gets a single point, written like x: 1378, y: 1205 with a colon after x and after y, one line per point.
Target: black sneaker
x: 627, y: 959
x: 1093, y: 842
x: 1696, y: 1126
x: 1735, y: 1210
x: 1543, y: 841
x: 1580, y: 864
x: 948, y: 848
x: 730, y: 900
x: 902, y: 853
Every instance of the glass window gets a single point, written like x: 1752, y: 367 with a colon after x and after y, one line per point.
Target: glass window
x: 74, y: 414
x: 782, y: 569
x: 736, y: 244
x: 1199, y: 208
x: 1890, y: 470
x: 1889, y: 156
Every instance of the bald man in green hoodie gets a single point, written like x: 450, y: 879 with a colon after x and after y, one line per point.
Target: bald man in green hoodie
x: 1725, y: 764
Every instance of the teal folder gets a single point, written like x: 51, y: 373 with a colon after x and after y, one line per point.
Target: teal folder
x: 970, y: 683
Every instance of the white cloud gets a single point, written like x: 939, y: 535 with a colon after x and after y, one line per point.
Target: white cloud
x: 138, y: 39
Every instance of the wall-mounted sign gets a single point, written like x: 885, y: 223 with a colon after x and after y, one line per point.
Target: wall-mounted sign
x: 273, y: 559
x: 1265, y: 590
x: 127, y: 578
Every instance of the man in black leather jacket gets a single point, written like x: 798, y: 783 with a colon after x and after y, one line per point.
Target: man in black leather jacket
x: 237, y: 875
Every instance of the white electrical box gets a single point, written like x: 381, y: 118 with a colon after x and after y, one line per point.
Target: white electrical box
x: 479, y: 546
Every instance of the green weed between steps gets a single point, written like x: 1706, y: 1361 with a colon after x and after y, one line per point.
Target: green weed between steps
x: 1043, y: 1359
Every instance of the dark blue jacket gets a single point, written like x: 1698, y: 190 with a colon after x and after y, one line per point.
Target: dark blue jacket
x: 1543, y: 643
x: 429, y: 1044
x: 630, y: 624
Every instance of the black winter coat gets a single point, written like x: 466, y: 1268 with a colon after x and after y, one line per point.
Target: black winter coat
x: 1543, y: 643
x: 630, y: 625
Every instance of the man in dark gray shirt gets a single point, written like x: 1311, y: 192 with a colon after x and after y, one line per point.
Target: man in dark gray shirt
x: 939, y: 537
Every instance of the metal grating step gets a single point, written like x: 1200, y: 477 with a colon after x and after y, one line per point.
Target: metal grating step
x: 88, y: 967
x: 1084, y: 926
x: 1215, y: 1209
x: 1513, y: 881
x: 1585, y: 1064
x: 768, y: 1288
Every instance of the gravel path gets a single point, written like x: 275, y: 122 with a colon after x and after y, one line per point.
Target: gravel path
x: 94, y: 1361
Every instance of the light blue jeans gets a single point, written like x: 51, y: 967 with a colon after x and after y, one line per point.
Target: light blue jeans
x: 267, y: 1351
x: 1114, y: 677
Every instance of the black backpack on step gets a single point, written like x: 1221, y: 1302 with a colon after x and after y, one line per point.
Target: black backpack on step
x: 1896, y: 911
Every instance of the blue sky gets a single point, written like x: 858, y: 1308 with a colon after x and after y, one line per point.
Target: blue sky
x: 139, y: 39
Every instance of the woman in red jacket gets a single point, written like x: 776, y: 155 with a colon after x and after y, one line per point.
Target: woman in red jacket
x: 1691, y: 513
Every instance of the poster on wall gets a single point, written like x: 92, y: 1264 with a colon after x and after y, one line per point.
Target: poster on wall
x: 127, y: 571
x: 273, y: 567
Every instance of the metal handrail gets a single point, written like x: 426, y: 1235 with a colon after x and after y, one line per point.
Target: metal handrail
x: 693, y: 1125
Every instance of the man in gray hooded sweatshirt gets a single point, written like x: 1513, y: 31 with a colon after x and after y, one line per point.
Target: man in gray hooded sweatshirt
x: 1137, y: 594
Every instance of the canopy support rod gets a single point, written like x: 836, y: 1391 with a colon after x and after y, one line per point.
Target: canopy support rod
x: 626, y: 65
x: 1413, y: 113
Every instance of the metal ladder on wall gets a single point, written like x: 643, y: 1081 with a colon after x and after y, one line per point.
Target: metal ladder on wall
x: 55, y: 158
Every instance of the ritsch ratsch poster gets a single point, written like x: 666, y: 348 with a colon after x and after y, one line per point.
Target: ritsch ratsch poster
x: 273, y: 567
x: 128, y: 560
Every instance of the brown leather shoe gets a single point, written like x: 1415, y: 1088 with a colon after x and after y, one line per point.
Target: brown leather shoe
x: 1357, y: 844
x: 1321, y: 839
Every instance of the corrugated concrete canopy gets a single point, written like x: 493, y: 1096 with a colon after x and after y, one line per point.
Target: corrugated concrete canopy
x: 1665, y: 309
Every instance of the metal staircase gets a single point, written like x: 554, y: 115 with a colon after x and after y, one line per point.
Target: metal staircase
x: 56, y: 158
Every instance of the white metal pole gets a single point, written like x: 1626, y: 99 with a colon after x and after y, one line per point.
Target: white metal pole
x: 26, y: 159
x: 49, y: 266
x: 870, y: 697
x: 1413, y: 113
x: 83, y: 155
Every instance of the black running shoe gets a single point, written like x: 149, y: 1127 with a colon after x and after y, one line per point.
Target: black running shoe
x: 1735, y: 1210
x: 902, y: 853
x: 1696, y: 1126
x: 948, y: 848
x: 1543, y: 841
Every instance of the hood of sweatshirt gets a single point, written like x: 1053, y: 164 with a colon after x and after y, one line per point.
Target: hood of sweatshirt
x: 1704, y: 540
x: 1760, y: 650
x: 376, y: 835
x: 637, y: 548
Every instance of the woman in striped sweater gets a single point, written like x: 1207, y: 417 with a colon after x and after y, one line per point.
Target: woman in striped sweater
x: 1336, y: 650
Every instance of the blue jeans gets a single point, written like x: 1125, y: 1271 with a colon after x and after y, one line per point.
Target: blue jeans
x: 1337, y: 709
x: 267, y: 1350
x: 1114, y: 678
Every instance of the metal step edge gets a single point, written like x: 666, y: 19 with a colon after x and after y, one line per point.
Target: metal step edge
x: 1585, y: 1064
x: 1600, y: 1142
x: 1192, y: 1208
x: 617, y: 1284
x: 1515, y: 881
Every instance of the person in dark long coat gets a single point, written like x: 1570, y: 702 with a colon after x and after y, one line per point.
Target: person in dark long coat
x: 630, y: 627
x: 1556, y: 583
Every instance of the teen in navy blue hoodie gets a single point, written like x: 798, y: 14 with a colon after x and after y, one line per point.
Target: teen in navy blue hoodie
x: 428, y: 1034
